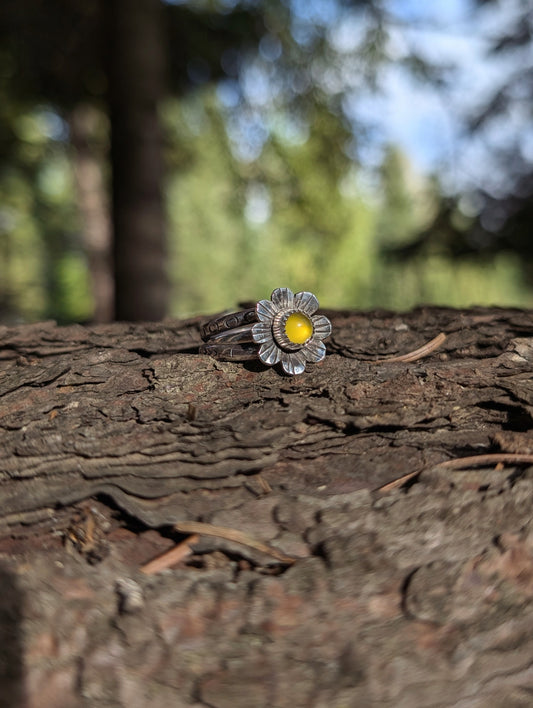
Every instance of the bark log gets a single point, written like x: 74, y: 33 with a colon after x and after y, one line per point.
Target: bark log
x: 412, y: 595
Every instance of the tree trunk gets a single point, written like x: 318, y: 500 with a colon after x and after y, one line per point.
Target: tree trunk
x: 93, y: 207
x: 345, y: 589
x: 136, y: 88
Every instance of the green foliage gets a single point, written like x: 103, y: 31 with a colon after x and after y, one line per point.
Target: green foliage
x: 301, y: 216
x: 441, y: 280
x: 21, y: 289
x: 301, y: 213
x: 298, y: 215
x: 43, y: 272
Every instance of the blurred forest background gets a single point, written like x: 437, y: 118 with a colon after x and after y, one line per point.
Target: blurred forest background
x: 169, y: 157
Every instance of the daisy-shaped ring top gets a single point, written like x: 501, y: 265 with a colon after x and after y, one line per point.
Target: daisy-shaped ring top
x: 289, y: 331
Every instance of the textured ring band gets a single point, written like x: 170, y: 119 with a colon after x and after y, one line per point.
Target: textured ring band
x: 229, y: 352
x: 227, y: 322
x: 283, y: 329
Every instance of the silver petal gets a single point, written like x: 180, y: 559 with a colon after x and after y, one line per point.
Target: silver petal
x: 266, y: 310
x: 269, y: 353
x: 293, y: 363
x: 306, y: 302
x: 262, y: 332
x: 283, y: 299
x: 321, y: 326
x: 314, y: 351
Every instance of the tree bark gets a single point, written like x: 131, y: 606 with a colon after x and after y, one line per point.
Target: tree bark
x: 136, y: 88
x: 353, y: 591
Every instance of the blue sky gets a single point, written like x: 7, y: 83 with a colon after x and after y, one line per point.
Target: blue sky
x: 418, y: 118
x: 415, y: 116
x: 428, y: 123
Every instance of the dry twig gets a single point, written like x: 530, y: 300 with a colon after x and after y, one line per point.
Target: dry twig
x: 197, y: 527
x: 497, y: 459
x: 489, y: 459
x: 171, y: 557
x: 416, y: 354
x: 398, y: 482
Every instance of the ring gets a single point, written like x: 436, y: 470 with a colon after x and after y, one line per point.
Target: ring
x: 283, y: 329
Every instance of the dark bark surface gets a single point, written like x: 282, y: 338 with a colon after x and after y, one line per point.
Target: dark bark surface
x: 414, y: 595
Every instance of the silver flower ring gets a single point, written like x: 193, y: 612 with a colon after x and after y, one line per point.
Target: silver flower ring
x: 283, y: 329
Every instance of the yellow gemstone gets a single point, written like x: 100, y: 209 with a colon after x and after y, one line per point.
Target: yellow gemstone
x: 298, y: 328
